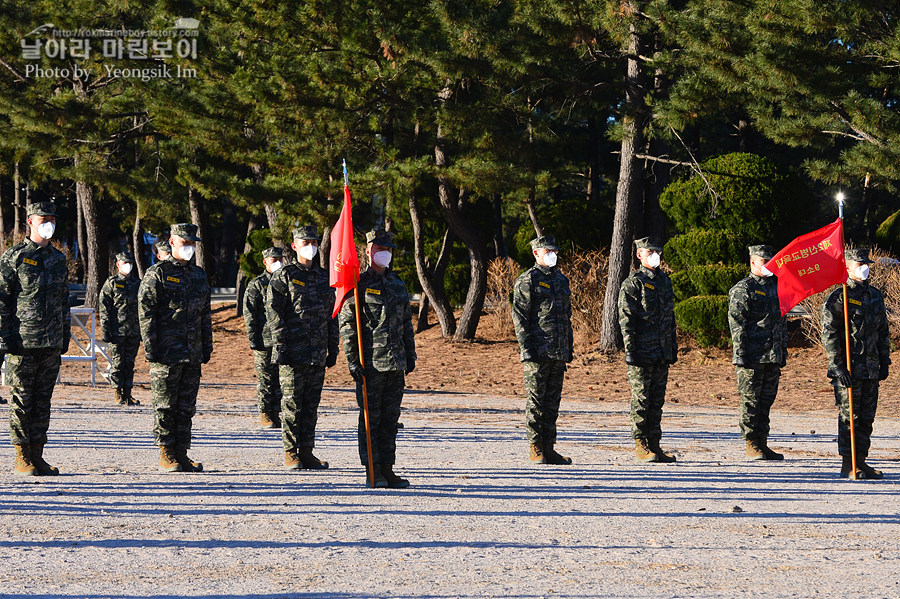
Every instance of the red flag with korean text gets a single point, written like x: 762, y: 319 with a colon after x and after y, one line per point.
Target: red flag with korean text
x: 343, y: 261
x: 809, y: 264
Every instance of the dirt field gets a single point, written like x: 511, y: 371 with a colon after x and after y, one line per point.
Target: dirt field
x: 479, y: 520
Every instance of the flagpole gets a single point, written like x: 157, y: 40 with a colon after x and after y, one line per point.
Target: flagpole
x: 840, y: 199
x: 362, y: 363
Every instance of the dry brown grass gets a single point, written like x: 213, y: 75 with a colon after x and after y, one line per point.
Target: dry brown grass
x: 501, y: 278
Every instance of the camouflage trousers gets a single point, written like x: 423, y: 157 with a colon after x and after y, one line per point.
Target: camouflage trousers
x: 648, y: 394
x: 121, y: 361
x: 268, y: 389
x: 543, y: 388
x: 302, y: 387
x: 758, y: 387
x: 32, y: 377
x: 865, y: 403
x: 174, y: 388
x: 385, y: 393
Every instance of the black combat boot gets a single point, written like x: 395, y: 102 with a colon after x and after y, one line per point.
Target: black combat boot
x: 661, y: 455
x: 121, y: 396
x: 847, y: 468
x: 185, y: 462
x: 871, y: 473
x: 770, y: 455
x: 129, y: 399
x: 309, y: 461
x: 380, y: 481
x: 555, y: 458
x: 393, y: 481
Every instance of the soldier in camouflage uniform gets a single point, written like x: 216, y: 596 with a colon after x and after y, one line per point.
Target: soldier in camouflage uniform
x: 542, y: 315
x: 163, y: 249
x: 268, y: 391
x: 176, y: 327
x: 759, y: 339
x: 305, y: 340
x: 870, y: 358
x: 34, y: 333
x: 389, y: 354
x: 119, y: 326
x: 647, y: 320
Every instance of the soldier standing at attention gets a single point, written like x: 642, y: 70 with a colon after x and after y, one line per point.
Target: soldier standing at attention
x: 176, y: 326
x: 34, y: 333
x: 759, y: 339
x: 305, y: 342
x: 119, y: 326
x: 870, y: 358
x: 542, y: 315
x: 268, y: 391
x: 647, y: 320
x: 390, y: 354
x: 163, y: 249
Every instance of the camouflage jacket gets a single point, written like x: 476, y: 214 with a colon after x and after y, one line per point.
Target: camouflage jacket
x: 119, y: 307
x: 34, y: 298
x: 647, y: 317
x: 255, y: 312
x: 542, y: 314
x: 174, y: 310
x: 870, y: 344
x: 758, y: 330
x: 388, y: 339
x: 299, y: 304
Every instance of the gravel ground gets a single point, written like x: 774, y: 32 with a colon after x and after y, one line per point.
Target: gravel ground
x: 478, y: 521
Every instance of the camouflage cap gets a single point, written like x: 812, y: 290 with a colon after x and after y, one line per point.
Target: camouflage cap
x: 306, y: 232
x: 124, y: 257
x: 548, y: 242
x: 273, y: 252
x: 41, y: 209
x: 763, y: 251
x: 645, y: 243
x: 187, y: 231
x: 163, y: 246
x: 382, y: 238
x: 858, y: 255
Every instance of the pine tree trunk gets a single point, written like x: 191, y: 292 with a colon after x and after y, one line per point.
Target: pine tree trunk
x: 499, y: 242
x: 97, y: 254
x: 432, y: 283
x: 593, y: 186
x: 241, y: 282
x: 225, y: 256
x: 324, y: 248
x: 137, y: 240
x: 204, y: 247
x: 18, y: 222
x: 82, y: 238
x: 628, y: 196
x: 532, y: 214
x: 471, y: 312
x: 2, y: 224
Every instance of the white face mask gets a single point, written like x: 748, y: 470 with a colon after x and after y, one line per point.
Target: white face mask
x: 653, y: 260
x: 765, y: 271
x: 186, y: 252
x: 382, y: 258
x: 308, y: 252
x: 862, y: 272
x: 274, y: 266
x: 125, y: 269
x: 46, y: 230
x: 550, y: 259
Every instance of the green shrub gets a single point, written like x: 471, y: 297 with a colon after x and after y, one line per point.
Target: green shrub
x: 705, y: 247
x: 754, y: 198
x: 706, y: 318
x: 682, y: 285
x: 251, y: 263
x: 716, y: 279
x: 888, y: 234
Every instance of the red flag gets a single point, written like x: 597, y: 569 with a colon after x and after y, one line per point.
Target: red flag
x: 344, y: 269
x: 809, y: 264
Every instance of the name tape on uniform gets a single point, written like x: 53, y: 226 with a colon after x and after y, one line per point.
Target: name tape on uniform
x: 173, y: 279
x: 649, y: 286
x: 296, y: 282
x: 29, y: 261
x: 374, y: 291
x: 543, y: 284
